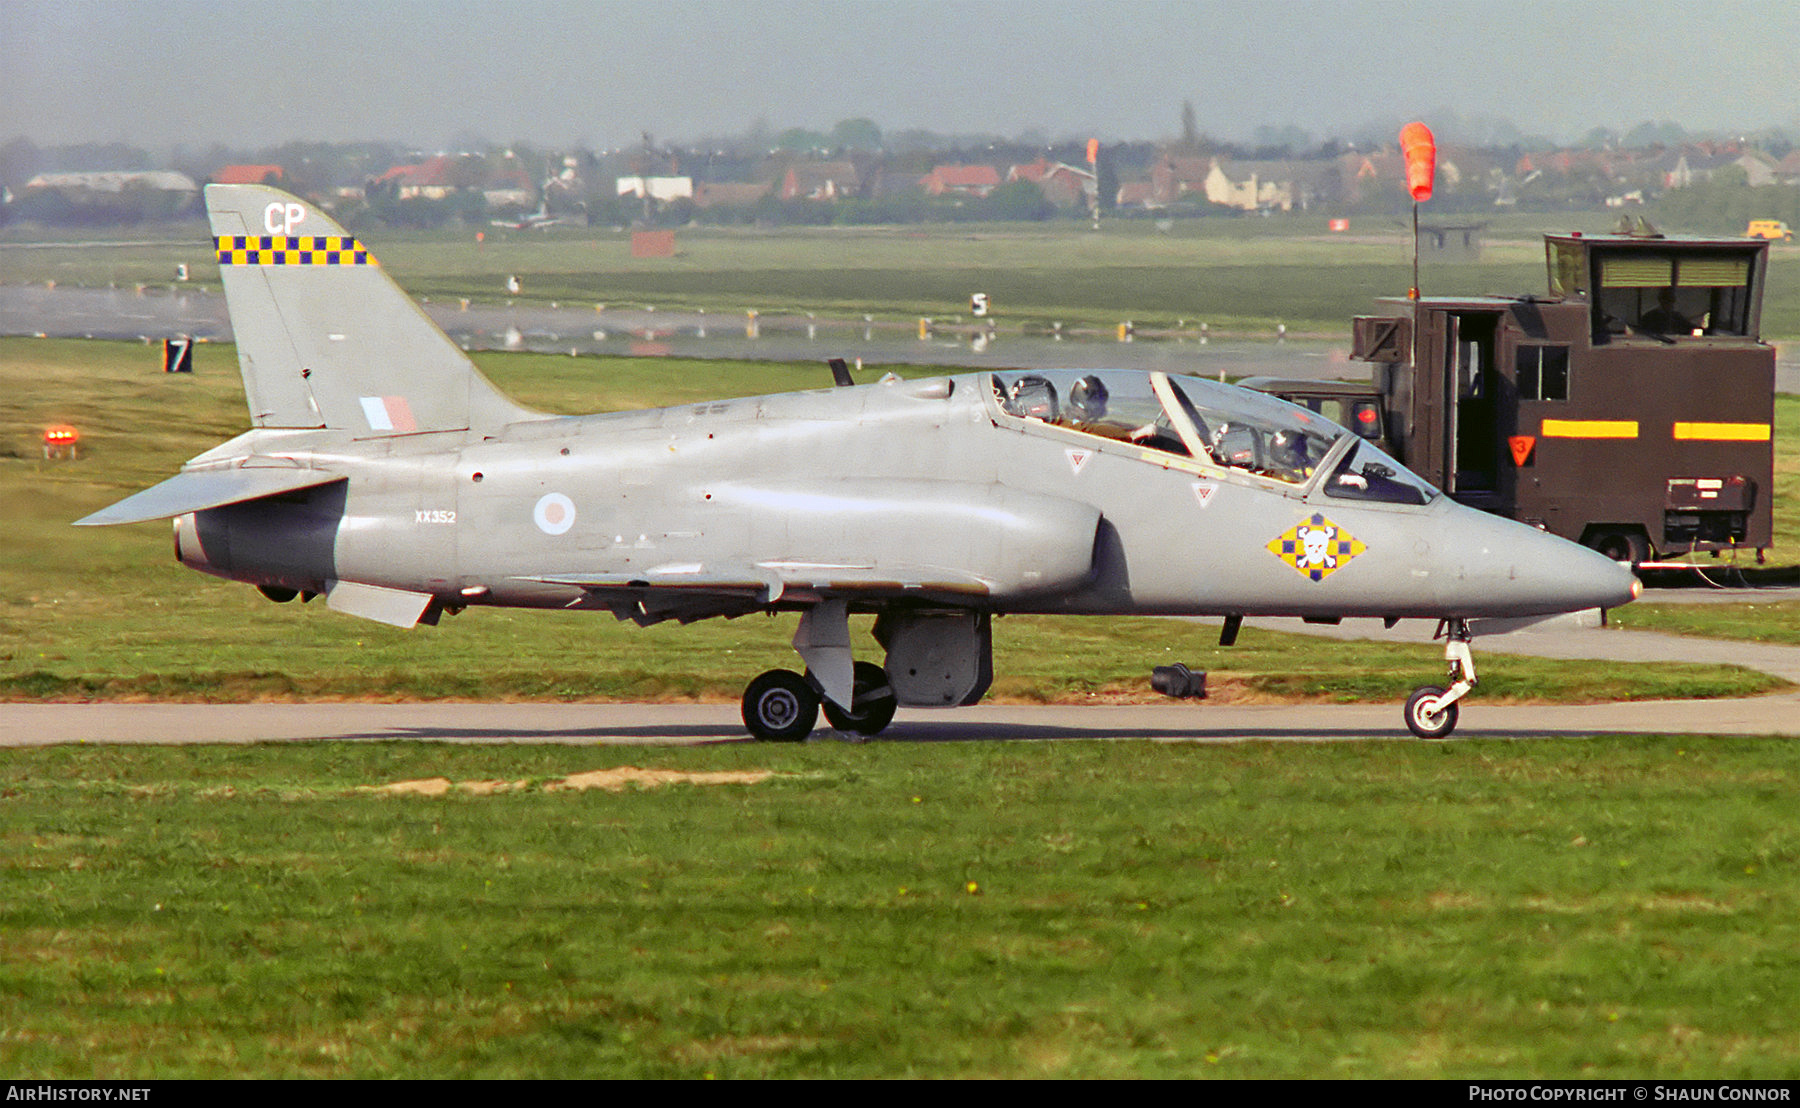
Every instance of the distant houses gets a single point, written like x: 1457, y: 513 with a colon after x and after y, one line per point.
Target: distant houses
x: 834, y: 180
x: 961, y: 180
x: 1064, y: 185
x: 661, y: 189
x: 729, y: 194
x: 78, y: 186
x: 126, y: 196
x: 662, y: 185
x: 248, y: 175
x: 432, y: 179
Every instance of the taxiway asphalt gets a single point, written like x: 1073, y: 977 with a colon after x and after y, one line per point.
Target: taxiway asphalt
x: 693, y: 724
x: 1196, y: 721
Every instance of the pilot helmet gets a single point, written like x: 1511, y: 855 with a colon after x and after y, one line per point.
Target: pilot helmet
x: 1034, y: 397
x: 1087, y: 399
x: 1287, y: 449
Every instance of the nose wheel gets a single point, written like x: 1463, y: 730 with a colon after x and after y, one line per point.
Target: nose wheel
x: 1431, y: 710
x: 1427, y: 716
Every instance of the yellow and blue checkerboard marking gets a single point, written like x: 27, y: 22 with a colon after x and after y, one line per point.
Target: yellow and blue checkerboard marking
x: 291, y: 250
x: 1331, y: 549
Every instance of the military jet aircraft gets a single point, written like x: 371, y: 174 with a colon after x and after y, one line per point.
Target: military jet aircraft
x: 384, y: 472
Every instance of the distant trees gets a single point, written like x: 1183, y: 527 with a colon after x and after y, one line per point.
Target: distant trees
x: 426, y: 213
x: 856, y: 134
x: 1280, y: 142
x: 1725, y: 205
x: 77, y: 207
x: 799, y: 140
x: 1646, y: 134
x: 1106, y: 179
x: 1190, y: 128
x: 1019, y: 201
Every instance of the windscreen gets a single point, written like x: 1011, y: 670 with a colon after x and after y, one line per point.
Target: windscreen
x: 1367, y: 473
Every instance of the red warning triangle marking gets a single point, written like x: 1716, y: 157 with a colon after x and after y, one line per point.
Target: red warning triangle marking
x: 1078, y: 459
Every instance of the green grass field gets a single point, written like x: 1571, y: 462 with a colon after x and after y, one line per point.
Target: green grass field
x: 1777, y: 622
x: 1235, y: 274
x: 107, y: 613
x: 1558, y: 908
x: 1618, y: 907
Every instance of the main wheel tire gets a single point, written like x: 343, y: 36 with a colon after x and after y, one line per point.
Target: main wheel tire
x: 1429, y: 725
x: 780, y: 707
x: 872, y: 702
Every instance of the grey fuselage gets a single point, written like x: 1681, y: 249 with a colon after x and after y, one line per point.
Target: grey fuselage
x: 923, y: 493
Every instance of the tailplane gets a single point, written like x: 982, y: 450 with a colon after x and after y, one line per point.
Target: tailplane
x: 325, y: 338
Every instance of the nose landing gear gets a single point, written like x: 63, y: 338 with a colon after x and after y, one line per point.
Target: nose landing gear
x: 1431, y: 710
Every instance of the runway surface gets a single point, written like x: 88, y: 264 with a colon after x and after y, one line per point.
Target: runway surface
x: 691, y: 724
x: 1192, y: 721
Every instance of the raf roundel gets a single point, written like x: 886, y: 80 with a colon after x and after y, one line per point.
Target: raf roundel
x: 554, y: 514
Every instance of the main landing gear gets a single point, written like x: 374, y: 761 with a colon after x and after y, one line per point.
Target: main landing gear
x: 1431, y: 710
x: 783, y: 706
x: 780, y: 707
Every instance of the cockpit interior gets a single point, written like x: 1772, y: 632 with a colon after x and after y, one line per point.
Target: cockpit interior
x: 1214, y: 427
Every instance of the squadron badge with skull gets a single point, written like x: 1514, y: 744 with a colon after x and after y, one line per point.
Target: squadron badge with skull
x: 1316, y: 547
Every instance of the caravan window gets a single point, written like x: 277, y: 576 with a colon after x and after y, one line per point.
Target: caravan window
x: 1542, y: 372
x: 1672, y: 295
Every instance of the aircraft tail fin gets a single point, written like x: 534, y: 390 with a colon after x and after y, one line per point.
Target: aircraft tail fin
x: 325, y: 338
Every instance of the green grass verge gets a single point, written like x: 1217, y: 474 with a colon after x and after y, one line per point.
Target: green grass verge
x: 1770, y: 623
x: 1232, y: 273
x: 1597, y: 908
x: 107, y: 612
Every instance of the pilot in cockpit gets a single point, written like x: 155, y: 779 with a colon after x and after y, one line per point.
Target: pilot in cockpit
x: 1287, y: 455
x: 1087, y: 402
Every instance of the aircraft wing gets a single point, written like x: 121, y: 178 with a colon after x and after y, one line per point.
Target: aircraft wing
x: 767, y: 582
x: 196, y: 490
x: 738, y: 581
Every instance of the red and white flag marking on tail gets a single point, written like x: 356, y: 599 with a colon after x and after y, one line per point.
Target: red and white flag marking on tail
x: 388, y: 413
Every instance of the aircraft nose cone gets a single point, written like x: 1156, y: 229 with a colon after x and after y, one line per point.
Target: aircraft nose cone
x: 1505, y: 568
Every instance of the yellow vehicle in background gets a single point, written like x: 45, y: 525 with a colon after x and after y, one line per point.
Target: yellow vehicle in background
x: 1769, y: 229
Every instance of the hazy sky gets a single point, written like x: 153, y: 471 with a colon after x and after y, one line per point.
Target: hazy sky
x: 598, y: 72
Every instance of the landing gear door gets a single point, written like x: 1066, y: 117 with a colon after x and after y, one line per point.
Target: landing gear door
x: 937, y: 659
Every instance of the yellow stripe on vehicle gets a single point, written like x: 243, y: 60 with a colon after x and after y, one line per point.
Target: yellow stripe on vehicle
x: 1722, y: 432
x: 1590, y: 429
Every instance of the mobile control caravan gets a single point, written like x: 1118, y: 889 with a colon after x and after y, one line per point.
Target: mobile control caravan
x: 1631, y: 409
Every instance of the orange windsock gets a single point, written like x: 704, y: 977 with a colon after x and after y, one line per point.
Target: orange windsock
x: 1420, y: 150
